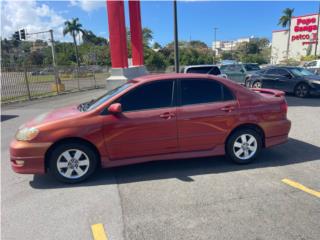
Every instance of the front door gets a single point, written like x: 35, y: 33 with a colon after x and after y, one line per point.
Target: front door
x: 207, y: 112
x: 147, y: 124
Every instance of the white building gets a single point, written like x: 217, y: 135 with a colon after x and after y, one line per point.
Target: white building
x: 220, y: 46
x: 303, y: 37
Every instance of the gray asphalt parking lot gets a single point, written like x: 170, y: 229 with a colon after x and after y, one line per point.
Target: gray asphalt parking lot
x: 208, y: 198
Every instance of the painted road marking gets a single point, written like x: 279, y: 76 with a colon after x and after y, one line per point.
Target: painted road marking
x: 301, y: 187
x: 98, y: 232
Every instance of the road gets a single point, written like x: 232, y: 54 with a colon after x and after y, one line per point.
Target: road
x: 208, y: 198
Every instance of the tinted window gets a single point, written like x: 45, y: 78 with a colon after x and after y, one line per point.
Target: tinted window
x: 232, y: 68
x: 202, y: 70
x: 312, y: 64
x: 252, y: 67
x: 195, y: 91
x: 151, y: 95
x: 215, y: 71
x: 272, y: 71
x: 282, y: 72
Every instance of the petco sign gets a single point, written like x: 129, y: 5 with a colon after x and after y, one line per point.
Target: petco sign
x: 305, y: 29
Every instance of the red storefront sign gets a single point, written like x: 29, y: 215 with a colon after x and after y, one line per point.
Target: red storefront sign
x: 306, y: 27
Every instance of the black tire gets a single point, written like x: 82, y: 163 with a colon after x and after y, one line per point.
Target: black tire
x: 257, y: 84
x: 301, y: 90
x: 231, y: 149
x: 87, y: 155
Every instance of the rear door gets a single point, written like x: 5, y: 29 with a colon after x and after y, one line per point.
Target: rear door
x: 206, y: 112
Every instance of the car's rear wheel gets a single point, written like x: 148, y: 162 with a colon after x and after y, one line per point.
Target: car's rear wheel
x: 257, y: 84
x: 243, y: 146
x: 72, y: 162
x: 301, y: 90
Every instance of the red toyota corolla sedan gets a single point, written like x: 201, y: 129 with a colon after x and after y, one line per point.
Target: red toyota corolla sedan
x: 155, y: 117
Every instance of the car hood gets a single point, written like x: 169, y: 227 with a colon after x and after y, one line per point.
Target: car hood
x: 52, y: 116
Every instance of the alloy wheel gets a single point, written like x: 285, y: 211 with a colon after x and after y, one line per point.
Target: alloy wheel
x: 302, y: 90
x: 245, y: 146
x: 73, y: 164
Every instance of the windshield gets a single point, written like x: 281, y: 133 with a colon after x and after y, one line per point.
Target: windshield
x: 301, y: 72
x: 87, y: 106
x: 252, y: 67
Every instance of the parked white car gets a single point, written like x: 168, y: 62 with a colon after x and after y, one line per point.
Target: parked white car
x: 313, y: 66
x: 204, y: 69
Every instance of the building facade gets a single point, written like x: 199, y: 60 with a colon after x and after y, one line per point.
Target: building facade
x: 220, y: 46
x: 303, y: 39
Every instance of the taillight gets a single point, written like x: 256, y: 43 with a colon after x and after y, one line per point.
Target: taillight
x: 284, y: 107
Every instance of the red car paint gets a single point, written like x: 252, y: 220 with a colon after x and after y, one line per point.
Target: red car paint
x: 156, y: 134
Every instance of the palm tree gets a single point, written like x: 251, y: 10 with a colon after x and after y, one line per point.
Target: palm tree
x: 73, y: 27
x: 285, y: 21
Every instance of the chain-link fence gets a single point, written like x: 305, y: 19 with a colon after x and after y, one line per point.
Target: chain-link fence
x: 20, y: 83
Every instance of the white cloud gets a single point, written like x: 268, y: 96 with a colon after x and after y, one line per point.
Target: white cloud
x: 88, y: 5
x: 31, y: 15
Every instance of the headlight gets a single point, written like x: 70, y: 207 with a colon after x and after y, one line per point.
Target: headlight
x: 27, y: 134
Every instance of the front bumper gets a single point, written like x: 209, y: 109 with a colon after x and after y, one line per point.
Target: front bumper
x: 28, y: 157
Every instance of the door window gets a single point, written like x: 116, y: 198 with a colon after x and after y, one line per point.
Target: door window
x: 196, y: 91
x: 158, y: 94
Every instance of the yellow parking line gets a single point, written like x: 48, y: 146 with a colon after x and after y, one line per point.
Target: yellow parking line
x: 98, y: 232
x: 301, y: 187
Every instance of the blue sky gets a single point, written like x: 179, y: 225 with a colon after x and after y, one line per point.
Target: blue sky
x: 196, y: 18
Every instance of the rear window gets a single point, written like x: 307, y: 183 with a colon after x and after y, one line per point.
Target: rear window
x: 203, y: 70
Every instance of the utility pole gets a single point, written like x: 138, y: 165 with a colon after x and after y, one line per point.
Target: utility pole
x: 176, y: 43
x: 215, y: 44
x: 316, y: 47
x: 57, y: 79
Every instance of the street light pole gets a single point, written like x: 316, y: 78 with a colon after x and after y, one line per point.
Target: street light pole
x: 176, y: 43
x: 215, y: 44
x: 315, y: 50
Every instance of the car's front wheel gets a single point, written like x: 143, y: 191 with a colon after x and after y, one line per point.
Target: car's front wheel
x: 72, y: 162
x: 243, y: 146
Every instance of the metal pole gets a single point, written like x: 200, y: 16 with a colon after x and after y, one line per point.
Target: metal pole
x: 215, y: 43
x: 176, y: 43
x: 56, y: 76
x: 316, y: 47
x: 27, y: 81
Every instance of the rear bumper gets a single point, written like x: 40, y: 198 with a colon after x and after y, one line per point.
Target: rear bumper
x: 28, y: 157
x: 278, y: 133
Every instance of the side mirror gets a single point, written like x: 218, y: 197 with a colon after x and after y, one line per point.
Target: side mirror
x: 115, y: 108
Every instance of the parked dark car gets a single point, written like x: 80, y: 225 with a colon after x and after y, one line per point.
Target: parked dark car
x: 295, y: 80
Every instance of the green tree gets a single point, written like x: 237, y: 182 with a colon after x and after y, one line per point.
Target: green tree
x: 73, y: 28
x: 285, y: 21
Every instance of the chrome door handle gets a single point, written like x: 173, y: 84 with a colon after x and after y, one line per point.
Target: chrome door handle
x: 167, y: 115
